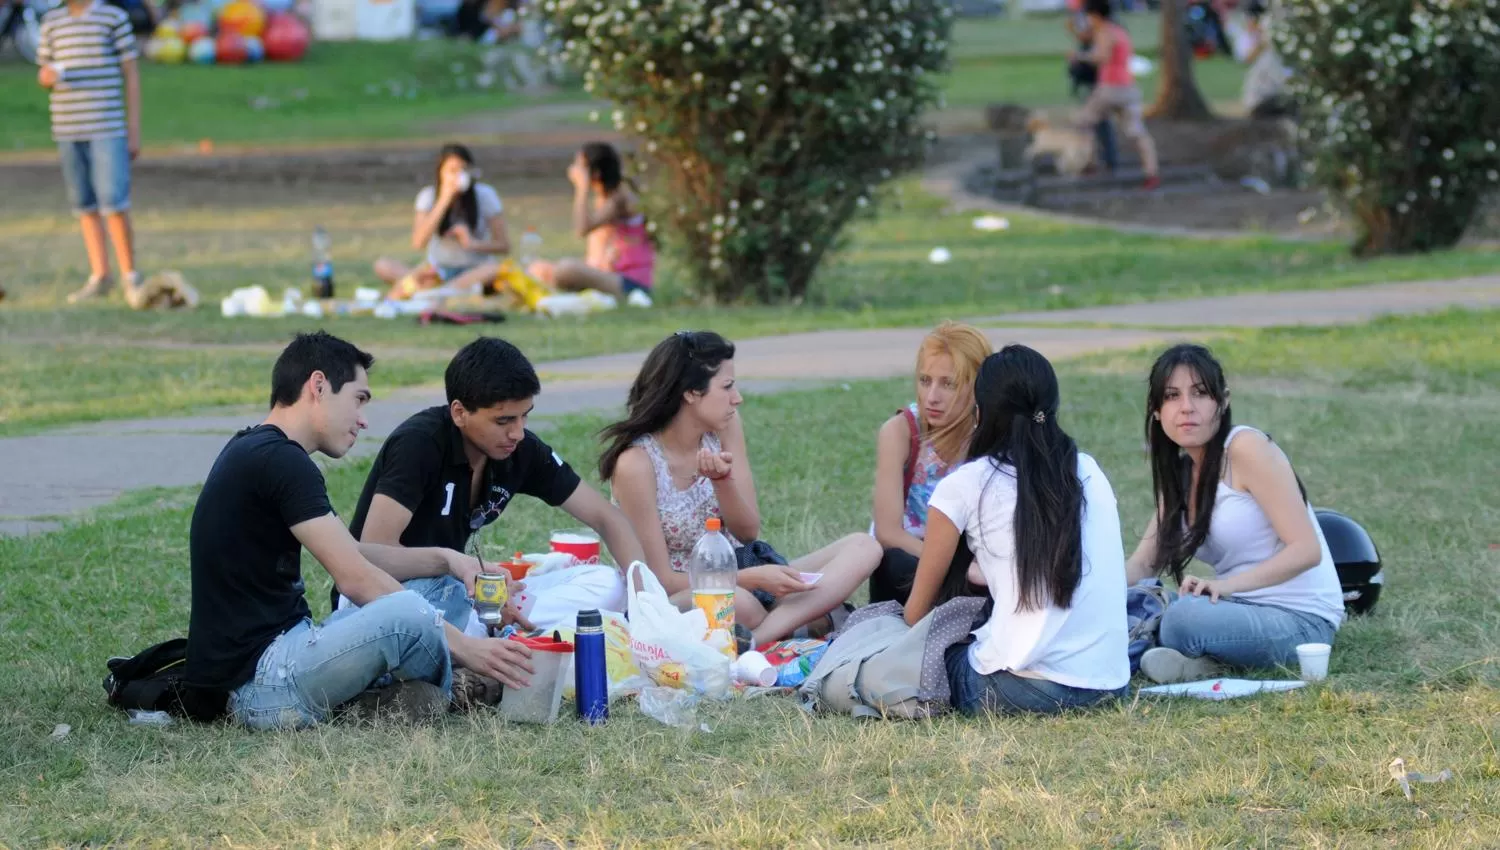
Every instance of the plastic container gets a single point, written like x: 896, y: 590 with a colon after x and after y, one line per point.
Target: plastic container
x: 539, y: 701
x: 713, y: 574
x: 581, y: 543
x: 1313, y: 658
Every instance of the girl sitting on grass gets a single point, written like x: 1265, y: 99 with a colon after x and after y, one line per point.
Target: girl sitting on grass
x: 461, y: 222
x: 1228, y: 496
x: 620, y: 258
x: 1040, y: 520
x: 679, y: 457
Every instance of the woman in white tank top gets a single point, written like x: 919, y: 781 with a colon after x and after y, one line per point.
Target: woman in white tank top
x: 1227, y: 496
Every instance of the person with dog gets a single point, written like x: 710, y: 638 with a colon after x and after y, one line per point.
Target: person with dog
x: 253, y: 650
x: 920, y: 445
x: 1228, y: 496
x: 1037, y: 519
x: 448, y: 471
x: 1116, y: 93
x: 1085, y: 78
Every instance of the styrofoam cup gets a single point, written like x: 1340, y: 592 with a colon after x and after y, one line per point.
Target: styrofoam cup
x: 1314, y: 660
x: 752, y: 668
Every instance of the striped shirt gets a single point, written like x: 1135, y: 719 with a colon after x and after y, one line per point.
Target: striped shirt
x: 88, y: 100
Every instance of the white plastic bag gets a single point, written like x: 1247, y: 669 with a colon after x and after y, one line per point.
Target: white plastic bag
x: 670, y: 645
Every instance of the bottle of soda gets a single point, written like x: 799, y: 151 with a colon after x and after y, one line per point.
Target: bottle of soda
x: 322, y: 264
x: 712, y: 575
x: 530, y: 248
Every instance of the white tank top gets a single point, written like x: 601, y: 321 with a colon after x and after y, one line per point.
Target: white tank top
x: 1240, y: 537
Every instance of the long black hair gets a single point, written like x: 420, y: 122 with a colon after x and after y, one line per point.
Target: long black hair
x: 1172, y: 470
x: 682, y: 363
x: 465, y: 208
x: 1017, y: 396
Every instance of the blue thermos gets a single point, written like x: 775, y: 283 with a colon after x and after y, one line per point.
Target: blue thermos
x: 590, y: 678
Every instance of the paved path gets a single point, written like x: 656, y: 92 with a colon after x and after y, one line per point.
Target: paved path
x: 74, y: 469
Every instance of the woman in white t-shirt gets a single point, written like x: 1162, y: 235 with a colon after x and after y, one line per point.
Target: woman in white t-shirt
x: 1228, y: 496
x: 1040, y: 520
x: 461, y: 223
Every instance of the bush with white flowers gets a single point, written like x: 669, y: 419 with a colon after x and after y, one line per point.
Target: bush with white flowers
x: 766, y: 124
x: 1398, y: 111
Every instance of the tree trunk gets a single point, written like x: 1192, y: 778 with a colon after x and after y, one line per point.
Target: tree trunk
x: 1178, y: 98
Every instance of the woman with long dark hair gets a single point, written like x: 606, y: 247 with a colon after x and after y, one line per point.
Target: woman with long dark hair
x: 1040, y: 520
x: 461, y: 223
x: 1227, y: 495
x: 620, y: 257
x: 678, y: 457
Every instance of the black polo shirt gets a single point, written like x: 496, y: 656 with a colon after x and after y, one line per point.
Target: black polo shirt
x: 423, y: 467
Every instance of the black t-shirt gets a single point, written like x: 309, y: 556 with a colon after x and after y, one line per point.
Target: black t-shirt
x: 423, y: 467
x: 247, y: 572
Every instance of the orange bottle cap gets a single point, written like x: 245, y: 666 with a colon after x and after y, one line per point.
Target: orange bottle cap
x: 712, y: 524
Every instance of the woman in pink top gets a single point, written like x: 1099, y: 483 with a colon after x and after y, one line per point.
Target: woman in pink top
x: 1117, y: 92
x: 620, y: 258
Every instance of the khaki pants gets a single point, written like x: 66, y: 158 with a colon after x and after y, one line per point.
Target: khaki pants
x: 1121, y: 102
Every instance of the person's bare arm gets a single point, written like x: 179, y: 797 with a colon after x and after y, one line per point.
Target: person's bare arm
x: 498, y: 241
x: 932, y: 567
x: 892, y: 450
x: 1104, y: 40
x: 634, y: 486
x: 132, y: 75
x: 1139, y: 565
x: 330, y: 543
x: 425, y: 224
x: 614, y: 528
x: 735, y: 491
x: 380, y: 542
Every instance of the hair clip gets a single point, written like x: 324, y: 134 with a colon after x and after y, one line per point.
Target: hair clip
x: 1039, y: 417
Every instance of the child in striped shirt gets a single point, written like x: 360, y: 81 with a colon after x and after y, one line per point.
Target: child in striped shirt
x: 87, y: 55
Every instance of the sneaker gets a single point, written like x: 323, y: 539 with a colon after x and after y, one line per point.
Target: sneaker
x: 1167, y: 666
x: 403, y: 702
x: 472, y: 690
x: 638, y: 298
x: 98, y: 285
x: 1153, y: 182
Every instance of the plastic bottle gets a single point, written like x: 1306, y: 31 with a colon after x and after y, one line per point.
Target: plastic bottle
x: 590, y: 677
x: 322, y: 263
x: 712, y: 575
x: 530, y: 248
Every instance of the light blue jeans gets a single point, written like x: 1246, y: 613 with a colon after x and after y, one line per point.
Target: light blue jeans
x: 312, y: 669
x: 1240, y: 633
x: 97, y: 174
x: 1004, y: 692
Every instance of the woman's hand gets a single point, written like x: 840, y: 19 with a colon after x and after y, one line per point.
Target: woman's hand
x: 578, y: 173
x: 715, y: 466
x: 461, y: 235
x: 1213, y: 588
x: 773, y: 579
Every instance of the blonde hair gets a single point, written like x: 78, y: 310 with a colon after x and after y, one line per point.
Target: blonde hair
x: 967, y: 347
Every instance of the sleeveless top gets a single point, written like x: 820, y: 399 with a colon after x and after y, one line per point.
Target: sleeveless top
x: 1115, y: 71
x: 928, y: 468
x: 682, y: 512
x: 1240, y: 537
x: 635, y: 258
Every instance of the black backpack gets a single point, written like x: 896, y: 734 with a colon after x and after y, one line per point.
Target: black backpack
x: 152, y: 680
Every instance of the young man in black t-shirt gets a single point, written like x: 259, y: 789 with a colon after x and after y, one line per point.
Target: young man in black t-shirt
x: 253, y: 649
x: 448, y: 471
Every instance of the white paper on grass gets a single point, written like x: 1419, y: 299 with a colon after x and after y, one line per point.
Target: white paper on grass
x: 1223, y: 688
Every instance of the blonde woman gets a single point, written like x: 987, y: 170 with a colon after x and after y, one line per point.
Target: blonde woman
x: 918, y: 446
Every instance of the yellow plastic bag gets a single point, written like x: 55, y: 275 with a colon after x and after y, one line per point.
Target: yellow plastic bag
x: 528, y: 289
x: 624, y: 674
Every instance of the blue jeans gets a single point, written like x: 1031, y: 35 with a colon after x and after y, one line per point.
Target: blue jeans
x: 1240, y: 633
x: 97, y: 172
x: 1003, y: 692
x: 310, y: 670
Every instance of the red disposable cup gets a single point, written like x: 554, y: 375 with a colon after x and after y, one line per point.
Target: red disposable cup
x: 583, y: 545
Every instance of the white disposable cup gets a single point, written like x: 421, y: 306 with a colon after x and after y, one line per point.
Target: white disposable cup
x: 752, y: 668
x: 1314, y: 660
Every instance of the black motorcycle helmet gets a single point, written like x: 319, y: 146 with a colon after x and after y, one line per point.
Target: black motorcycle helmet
x: 1355, y: 557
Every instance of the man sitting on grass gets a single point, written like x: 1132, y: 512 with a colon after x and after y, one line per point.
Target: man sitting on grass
x: 253, y: 649
x: 448, y: 471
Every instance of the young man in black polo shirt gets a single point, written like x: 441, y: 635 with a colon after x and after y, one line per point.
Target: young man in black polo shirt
x: 253, y: 649
x: 448, y: 471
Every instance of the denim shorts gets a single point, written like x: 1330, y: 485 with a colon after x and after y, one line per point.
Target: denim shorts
x: 97, y: 172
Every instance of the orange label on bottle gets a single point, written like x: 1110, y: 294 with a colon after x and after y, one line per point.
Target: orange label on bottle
x: 718, y: 608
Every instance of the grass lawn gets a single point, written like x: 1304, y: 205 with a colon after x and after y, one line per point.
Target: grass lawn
x: 1395, y: 448
x: 359, y: 92
x: 72, y: 364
